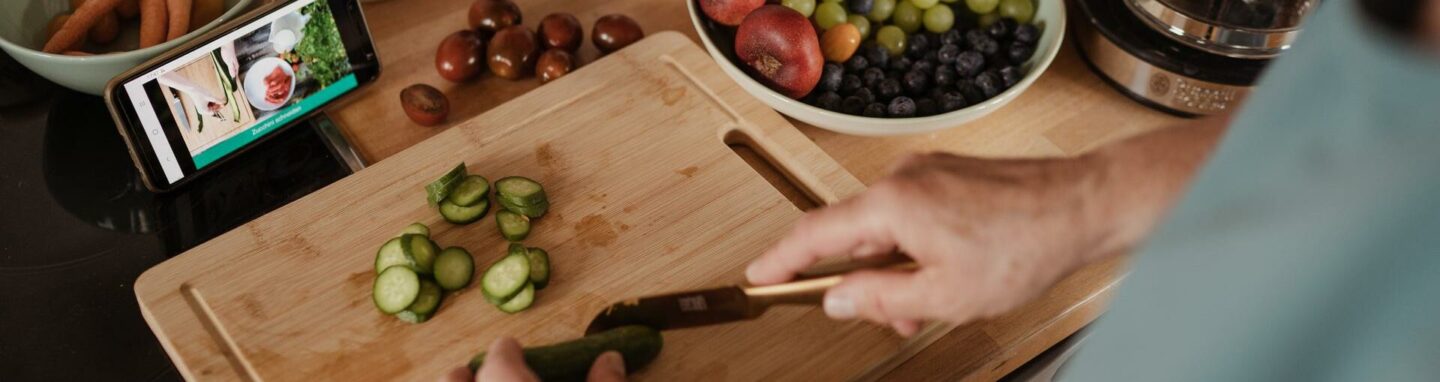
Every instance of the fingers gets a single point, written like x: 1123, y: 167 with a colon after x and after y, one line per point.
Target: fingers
x: 609, y: 367
x: 505, y: 362
x: 886, y: 297
x: 906, y: 328
x: 855, y: 225
x: 459, y: 374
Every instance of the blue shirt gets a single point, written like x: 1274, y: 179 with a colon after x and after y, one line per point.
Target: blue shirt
x: 1309, y: 247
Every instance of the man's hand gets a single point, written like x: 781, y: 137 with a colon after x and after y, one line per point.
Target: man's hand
x: 505, y: 362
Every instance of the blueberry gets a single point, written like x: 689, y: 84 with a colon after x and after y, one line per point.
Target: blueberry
x: 950, y: 101
x: 935, y: 92
x: 917, y: 46
x: 830, y: 77
x: 989, y: 83
x: 896, y: 74
x: 924, y: 66
x: 970, y: 91
x: 901, y: 63
x: 856, y: 63
x: 872, y: 76
x: 828, y: 101
x: 878, y: 56
x: 925, y: 106
x: 944, y: 76
x: 947, y: 53
x: 865, y: 95
x: 1019, y: 52
x: 888, y: 89
x: 1010, y: 75
x: 852, y: 105
x: 850, y: 84
x: 860, y: 6
x: 1002, y: 28
x: 981, y: 42
x: 901, y: 107
x: 875, y: 110
x: 916, y: 82
x: 969, y: 63
x: 952, y: 37
x: 1026, y: 33
x: 996, y: 61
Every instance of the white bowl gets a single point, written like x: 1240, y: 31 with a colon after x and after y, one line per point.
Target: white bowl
x: 1049, y: 17
x: 255, y: 82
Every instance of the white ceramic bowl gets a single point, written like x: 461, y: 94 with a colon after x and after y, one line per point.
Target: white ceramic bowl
x: 255, y: 82
x: 1049, y: 17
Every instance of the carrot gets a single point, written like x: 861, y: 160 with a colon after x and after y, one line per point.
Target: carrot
x: 106, y: 30
x: 79, y: 24
x: 179, y: 18
x: 77, y: 53
x: 55, y: 24
x: 128, y: 9
x: 152, y: 22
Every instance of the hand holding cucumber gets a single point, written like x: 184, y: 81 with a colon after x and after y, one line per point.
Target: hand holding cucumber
x: 505, y: 361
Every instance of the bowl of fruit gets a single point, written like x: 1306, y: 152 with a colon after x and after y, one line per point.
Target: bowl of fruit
x: 882, y: 67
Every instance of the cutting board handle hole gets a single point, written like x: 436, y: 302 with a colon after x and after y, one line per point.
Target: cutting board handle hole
x: 764, y: 164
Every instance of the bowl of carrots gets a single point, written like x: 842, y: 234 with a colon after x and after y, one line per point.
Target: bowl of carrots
x: 82, y: 44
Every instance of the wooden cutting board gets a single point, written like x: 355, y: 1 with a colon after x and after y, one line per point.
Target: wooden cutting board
x: 647, y: 197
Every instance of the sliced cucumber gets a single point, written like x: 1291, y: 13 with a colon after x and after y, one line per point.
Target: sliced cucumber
x: 439, y: 189
x: 530, y: 211
x: 420, y: 249
x: 395, y: 289
x: 520, y: 301
x: 571, y: 361
x: 539, y: 267
x: 521, y: 190
x: 416, y: 228
x: 392, y: 253
x: 458, y: 214
x: 425, y: 303
x: 471, y: 190
x: 505, y: 278
x: 454, y: 268
x: 513, y: 226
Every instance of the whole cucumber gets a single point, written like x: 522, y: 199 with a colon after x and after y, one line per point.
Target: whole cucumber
x: 570, y: 361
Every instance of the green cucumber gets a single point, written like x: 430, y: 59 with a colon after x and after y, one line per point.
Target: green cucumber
x: 416, y: 228
x: 425, y: 303
x: 520, y: 301
x: 506, y: 277
x: 454, y: 268
x: 530, y: 211
x: 458, y: 214
x: 513, y: 226
x: 471, y: 190
x: 395, y: 289
x: 419, y: 248
x: 539, y: 267
x: 392, y: 253
x: 439, y: 189
x: 638, y: 346
x: 521, y: 190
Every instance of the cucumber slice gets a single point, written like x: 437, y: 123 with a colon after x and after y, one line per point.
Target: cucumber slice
x: 454, y: 268
x: 521, y: 301
x: 470, y: 191
x: 505, y: 278
x: 425, y: 303
x: 571, y: 361
x: 458, y: 214
x: 392, y: 253
x: 420, y: 249
x: 530, y: 211
x: 395, y: 289
x: 539, y: 267
x: 416, y: 228
x: 513, y: 226
x: 521, y: 190
x: 439, y: 189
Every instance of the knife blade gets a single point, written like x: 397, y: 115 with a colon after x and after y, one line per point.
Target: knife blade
x: 733, y: 303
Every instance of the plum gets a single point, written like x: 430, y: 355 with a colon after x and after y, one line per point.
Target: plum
x: 729, y: 12
x: 780, y: 48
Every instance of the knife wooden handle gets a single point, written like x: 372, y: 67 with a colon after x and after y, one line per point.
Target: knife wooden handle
x: 810, y: 286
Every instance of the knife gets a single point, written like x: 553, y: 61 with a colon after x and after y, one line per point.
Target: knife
x: 734, y: 303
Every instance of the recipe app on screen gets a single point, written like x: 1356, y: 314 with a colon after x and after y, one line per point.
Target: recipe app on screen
x: 244, y: 85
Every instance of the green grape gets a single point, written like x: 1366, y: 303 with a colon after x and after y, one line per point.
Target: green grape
x: 861, y: 23
x: 949, y: 1
x: 805, y: 7
x: 906, y: 16
x: 829, y: 14
x: 881, y: 10
x: 1020, y: 10
x: 987, y: 19
x: 981, y: 7
x: 939, y: 19
x: 892, y: 39
x: 924, y: 4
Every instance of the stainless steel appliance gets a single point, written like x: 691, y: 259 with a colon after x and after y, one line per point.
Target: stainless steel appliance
x: 1189, y: 57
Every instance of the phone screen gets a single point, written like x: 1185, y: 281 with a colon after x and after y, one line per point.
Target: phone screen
x: 193, y: 111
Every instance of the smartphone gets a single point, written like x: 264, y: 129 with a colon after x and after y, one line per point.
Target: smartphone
x: 207, y: 101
